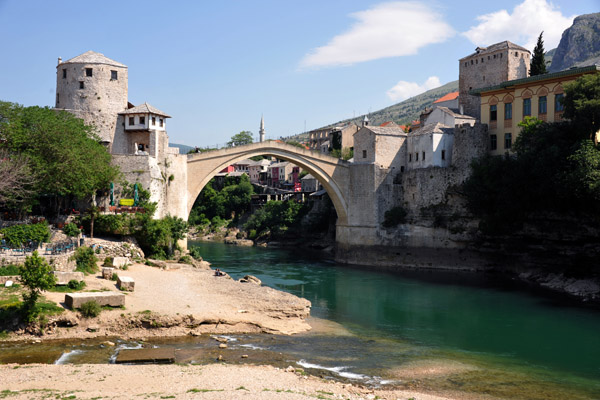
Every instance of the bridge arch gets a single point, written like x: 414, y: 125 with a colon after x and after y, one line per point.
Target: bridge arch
x: 331, y: 172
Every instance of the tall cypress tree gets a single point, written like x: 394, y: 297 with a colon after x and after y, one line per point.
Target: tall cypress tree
x: 538, y: 61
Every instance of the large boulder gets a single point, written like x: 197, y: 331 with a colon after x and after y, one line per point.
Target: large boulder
x: 113, y: 299
x: 63, y: 278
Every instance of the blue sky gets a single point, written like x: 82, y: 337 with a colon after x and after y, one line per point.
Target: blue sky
x: 216, y: 66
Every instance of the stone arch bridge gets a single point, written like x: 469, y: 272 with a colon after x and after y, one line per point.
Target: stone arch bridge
x: 331, y: 172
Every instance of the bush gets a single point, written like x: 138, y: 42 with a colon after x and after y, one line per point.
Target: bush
x: 252, y: 234
x: 186, y: 259
x: 114, y: 277
x: 394, y: 217
x: 195, y: 253
x: 18, y: 235
x: 108, y: 262
x: 86, y: 260
x: 158, y: 237
x: 76, y: 285
x: 90, y: 309
x: 71, y: 230
x: 277, y: 217
x: 10, y: 270
x: 36, y: 276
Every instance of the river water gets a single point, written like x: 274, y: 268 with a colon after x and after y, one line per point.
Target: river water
x: 432, y: 330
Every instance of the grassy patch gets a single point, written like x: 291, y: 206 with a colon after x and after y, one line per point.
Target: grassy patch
x: 73, y: 286
x: 90, y: 309
x: 194, y: 390
x: 241, y: 388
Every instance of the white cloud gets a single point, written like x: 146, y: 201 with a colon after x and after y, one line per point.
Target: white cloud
x: 521, y: 27
x: 403, y: 90
x: 386, y: 30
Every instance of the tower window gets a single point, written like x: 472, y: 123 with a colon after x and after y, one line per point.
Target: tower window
x: 471, y: 62
x: 81, y: 85
x: 493, y: 142
x: 88, y: 72
x: 153, y: 120
x: 416, y: 156
x: 410, y: 157
x: 500, y: 55
x: 364, y: 154
x: 57, y: 98
x: 131, y: 120
x: 443, y: 154
x: 64, y: 73
x: 423, y: 156
x: 113, y: 75
x: 142, y: 120
x: 160, y: 121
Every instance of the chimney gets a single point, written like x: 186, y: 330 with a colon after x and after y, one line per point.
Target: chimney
x: 59, y: 60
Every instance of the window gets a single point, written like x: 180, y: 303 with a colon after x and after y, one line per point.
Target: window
x: 526, y: 107
x: 417, y: 156
x: 493, y: 112
x: 142, y: 120
x: 81, y: 85
x: 131, y: 120
x: 423, y: 156
x: 57, y: 98
x: 542, y: 105
x: 500, y: 55
x: 160, y: 121
x: 508, y: 111
x: 516, y: 54
x: 443, y: 154
x: 558, y: 102
x: 493, y: 142
x: 153, y: 120
x: 364, y: 154
x: 88, y: 72
x: 113, y: 75
x: 140, y: 147
x: 64, y: 73
x: 507, y: 140
x: 471, y: 62
x: 410, y: 157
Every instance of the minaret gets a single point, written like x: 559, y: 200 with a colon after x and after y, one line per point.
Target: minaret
x: 262, y: 129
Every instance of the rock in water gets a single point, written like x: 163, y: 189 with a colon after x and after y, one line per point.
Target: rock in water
x: 251, y: 279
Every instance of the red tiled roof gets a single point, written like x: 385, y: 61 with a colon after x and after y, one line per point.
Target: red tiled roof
x: 388, y: 123
x: 449, y: 96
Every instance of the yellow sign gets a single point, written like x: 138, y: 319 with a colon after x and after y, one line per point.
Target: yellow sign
x: 126, y: 202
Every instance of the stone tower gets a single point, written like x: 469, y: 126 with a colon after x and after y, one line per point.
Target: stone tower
x: 262, y: 129
x: 490, y: 66
x: 94, y: 88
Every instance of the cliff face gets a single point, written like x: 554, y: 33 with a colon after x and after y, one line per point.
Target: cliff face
x: 579, y: 45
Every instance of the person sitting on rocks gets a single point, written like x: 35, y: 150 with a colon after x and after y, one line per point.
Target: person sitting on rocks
x: 218, y: 272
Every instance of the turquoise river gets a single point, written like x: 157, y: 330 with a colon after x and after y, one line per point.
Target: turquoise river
x: 446, y: 332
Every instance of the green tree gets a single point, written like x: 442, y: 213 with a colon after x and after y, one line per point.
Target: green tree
x: 242, y: 138
x: 582, y: 104
x: 538, y: 61
x: 36, y: 276
x: 65, y: 154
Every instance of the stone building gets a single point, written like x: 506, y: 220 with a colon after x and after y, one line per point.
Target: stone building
x: 94, y: 87
x: 430, y: 146
x: 504, y: 105
x: 490, y: 66
x: 324, y: 139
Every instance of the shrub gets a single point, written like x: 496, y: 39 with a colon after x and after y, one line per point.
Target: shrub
x: 76, y: 285
x: 108, y: 262
x: 186, y: 259
x: 36, y: 276
x: 114, y: 277
x: 252, y: 234
x: 71, y: 230
x: 195, y: 253
x: 90, y: 309
x: 86, y: 260
x: 394, y: 216
x: 9, y: 270
x: 18, y: 235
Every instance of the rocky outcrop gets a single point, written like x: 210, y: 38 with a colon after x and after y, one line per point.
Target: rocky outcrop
x: 579, y: 45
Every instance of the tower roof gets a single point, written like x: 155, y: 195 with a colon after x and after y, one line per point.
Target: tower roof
x: 145, y: 109
x: 91, y: 57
